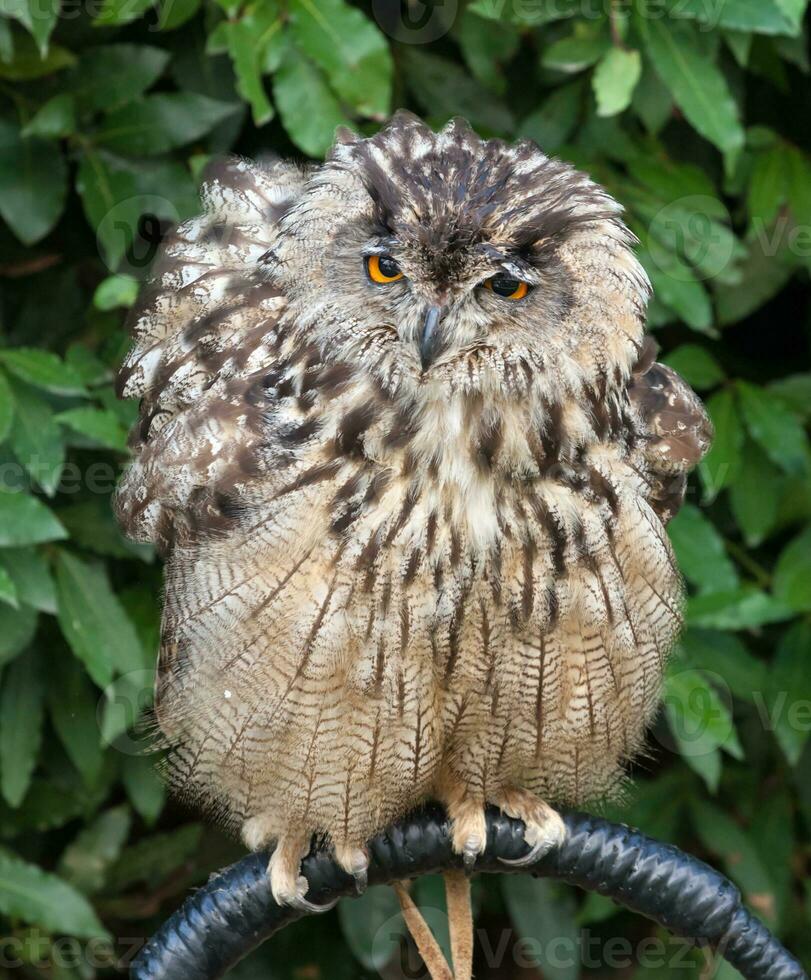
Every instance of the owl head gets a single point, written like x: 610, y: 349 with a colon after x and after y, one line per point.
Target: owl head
x: 443, y: 259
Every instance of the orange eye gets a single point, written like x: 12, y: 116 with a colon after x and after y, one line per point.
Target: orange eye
x: 382, y: 269
x: 507, y: 287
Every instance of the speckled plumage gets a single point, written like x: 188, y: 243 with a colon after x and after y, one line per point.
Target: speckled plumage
x: 385, y: 583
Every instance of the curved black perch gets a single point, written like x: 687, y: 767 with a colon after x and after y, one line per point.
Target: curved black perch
x: 235, y: 911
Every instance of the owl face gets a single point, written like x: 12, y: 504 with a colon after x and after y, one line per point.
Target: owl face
x: 432, y: 254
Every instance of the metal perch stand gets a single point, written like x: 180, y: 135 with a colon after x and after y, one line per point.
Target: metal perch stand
x: 235, y: 911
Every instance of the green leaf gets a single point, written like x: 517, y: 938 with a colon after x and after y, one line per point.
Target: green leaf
x: 25, y: 520
x: 349, y: 48
x: 795, y: 391
x: 445, y: 90
x: 91, y: 525
x: 372, y: 926
x: 21, y: 714
x: 792, y: 576
x: 155, y: 857
x: 248, y: 44
x: 8, y: 590
x: 37, y: 16
x: 42, y: 369
x: 94, y: 622
x: 527, y: 14
x: 99, y: 425
x: 6, y: 42
x: 764, y: 271
x: 794, y: 10
x: 17, y: 628
x: 37, y: 443
x: 487, y: 47
x: 725, y: 655
x: 115, y: 12
x: 701, y: 553
x: 85, y: 861
x: 6, y: 408
x: 174, y: 13
x: 553, y: 123
x: 789, y: 692
x: 312, y: 131
x: 652, y: 100
x: 115, y: 291
x: 116, y: 194
x: 698, y: 718
x: 773, y: 425
x: 740, y: 44
x: 72, y: 704
x: 27, y: 62
x: 31, y: 894
x: 156, y: 124
x: 575, y: 53
x: 615, y: 79
x: 721, y: 835
x: 687, y: 222
x: 768, y: 186
x: 675, y: 285
x: 745, y: 608
x: 145, y: 789
x: 55, y: 119
x: 86, y: 365
x: 756, y: 494
x: 722, y: 463
x: 697, y: 366
x: 33, y: 184
x: 755, y: 16
x: 698, y: 86
x: 799, y: 185
x: 110, y: 75
x: 543, y: 912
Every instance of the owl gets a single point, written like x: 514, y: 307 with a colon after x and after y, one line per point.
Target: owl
x: 409, y: 458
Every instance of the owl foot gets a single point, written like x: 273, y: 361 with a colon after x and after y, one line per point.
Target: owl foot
x: 288, y: 885
x: 469, y: 836
x: 544, y: 828
x: 297, y: 900
x: 355, y: 862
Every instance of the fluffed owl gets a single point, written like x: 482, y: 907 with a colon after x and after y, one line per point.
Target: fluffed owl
x: 409, y: 457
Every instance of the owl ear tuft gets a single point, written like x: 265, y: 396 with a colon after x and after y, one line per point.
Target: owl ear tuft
x: 345, y: 136
x: 345, y: 140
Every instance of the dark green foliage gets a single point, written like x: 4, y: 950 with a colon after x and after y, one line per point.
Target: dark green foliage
x: 694, y: 113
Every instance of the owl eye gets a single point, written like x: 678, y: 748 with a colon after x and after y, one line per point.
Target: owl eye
x: 382, y: 269
x: 507, y: 287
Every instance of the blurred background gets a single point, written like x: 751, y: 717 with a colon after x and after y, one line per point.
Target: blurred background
x: 695, y: 115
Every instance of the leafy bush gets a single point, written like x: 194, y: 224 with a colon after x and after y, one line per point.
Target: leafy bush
x: 694, y: 114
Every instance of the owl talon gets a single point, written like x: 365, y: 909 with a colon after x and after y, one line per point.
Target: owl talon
x: 535, y: 854
x: 540, y: 837
x: 356, y: 863
x: 298, y: 901
x: 470, y: 852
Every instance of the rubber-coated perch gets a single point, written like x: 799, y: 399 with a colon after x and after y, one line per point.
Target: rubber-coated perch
x: 235, y: 911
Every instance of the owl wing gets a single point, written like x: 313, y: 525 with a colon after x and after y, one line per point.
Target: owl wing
x: 673, y: 430
x: 206, y: 324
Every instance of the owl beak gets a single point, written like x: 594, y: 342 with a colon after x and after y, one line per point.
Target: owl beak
x: 429, y: 341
